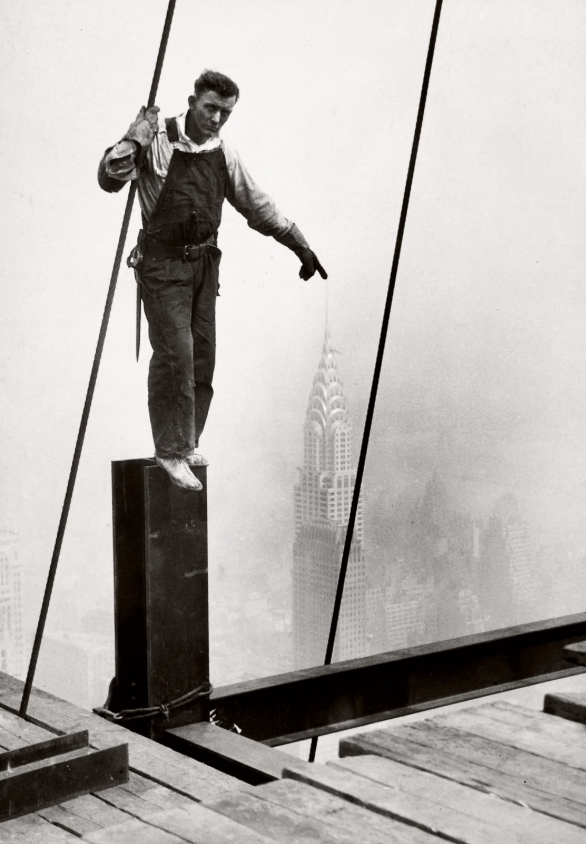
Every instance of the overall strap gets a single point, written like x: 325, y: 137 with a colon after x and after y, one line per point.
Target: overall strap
x: 172, y: 129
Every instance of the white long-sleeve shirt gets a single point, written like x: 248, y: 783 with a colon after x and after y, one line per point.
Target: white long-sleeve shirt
x: 242, y: 192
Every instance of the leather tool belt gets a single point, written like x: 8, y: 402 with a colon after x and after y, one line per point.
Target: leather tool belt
x: 189, y: 252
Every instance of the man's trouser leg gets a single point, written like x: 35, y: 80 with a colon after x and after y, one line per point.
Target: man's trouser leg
x: 180, y: 301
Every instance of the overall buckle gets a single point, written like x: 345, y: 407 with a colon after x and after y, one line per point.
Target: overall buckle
x: 192, y: 252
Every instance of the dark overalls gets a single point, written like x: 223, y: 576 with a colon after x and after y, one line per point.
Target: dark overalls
x: 179, y: 279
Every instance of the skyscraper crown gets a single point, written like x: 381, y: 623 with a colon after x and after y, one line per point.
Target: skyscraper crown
x: 327, y: 429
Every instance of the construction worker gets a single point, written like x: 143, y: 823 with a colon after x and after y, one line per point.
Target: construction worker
x: 184, y: 171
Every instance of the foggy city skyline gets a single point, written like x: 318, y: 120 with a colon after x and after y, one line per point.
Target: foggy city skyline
x: 482, y: 385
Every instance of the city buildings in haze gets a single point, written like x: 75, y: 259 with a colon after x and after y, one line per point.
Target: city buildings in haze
x: 11, y: 629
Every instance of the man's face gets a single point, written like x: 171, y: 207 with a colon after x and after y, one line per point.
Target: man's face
x: 209, y: 112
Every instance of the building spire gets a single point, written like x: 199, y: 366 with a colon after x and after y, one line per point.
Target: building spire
x: 327, y: 336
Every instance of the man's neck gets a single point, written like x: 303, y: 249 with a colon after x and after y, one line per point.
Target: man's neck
x: 192, y: 131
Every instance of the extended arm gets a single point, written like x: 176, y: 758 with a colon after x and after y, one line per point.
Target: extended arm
x: 263, y: 216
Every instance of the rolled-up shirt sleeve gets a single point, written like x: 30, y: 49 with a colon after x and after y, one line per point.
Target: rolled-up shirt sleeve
x: 257, y: 207
x: 118, y: 165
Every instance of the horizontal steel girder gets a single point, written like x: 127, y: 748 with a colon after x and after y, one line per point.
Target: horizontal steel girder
x: 314, y: 701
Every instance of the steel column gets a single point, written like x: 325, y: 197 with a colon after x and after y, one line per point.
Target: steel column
x: 161, y: 593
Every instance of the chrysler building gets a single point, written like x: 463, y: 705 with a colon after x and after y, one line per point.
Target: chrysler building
x: 323, y: 495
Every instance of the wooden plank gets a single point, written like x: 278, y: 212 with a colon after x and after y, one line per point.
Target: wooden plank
x: 434, y: 818
x: 568, y: 705
x: 85, y: 810
x: 533, y: 739
x: 157, y: 795
x: 11, y: 759
x: 453, y: 755
x: 200, y: 825
x: 8, y: 741
x: 86, y: 814
x: 532, y: 719
x: 59, y: 816
x: 318, y: 803
x: 561, y: 780
x: 231, y: 752
x: 32, y: 829
x: 508, y: 817
x: 132, y: 832
x: 148, y: 758
x: 131, y: 804
x: 25, y: 731
x: 37, y: 785
x: 281, y: 824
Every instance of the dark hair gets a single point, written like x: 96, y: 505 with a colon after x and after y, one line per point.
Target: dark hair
x: 211, y: 80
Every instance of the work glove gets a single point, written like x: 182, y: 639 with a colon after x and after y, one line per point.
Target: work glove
x: 310, y: 265
x: 145, y: 127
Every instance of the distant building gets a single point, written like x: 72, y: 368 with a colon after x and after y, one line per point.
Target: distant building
x: 11, y: 630
x: 469, y: 607
x: 323, y: 496
x: 406, y: 612
x: 511, y: 568
x: 77, y: 668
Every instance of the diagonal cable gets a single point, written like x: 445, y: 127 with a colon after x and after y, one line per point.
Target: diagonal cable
x: 381, y: 350
x: 90, y: 391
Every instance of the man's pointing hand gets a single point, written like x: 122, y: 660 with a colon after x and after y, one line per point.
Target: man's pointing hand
x: 310, y: 265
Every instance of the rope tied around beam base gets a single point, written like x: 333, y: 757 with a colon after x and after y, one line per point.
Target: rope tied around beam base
x: 164, y: 709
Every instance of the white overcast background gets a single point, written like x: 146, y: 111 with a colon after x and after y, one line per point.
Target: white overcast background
x: 488, y: 321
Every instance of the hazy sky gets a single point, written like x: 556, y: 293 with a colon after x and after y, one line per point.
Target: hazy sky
x: 487, y: 332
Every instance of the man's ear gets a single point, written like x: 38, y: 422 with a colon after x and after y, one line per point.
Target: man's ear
x: 191, y: 100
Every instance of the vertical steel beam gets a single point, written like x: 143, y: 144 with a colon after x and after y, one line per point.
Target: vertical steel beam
x: 161, y: 593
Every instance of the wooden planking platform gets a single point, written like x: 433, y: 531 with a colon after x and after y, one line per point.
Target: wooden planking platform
x: 465, y: 773
x: 160, y: 778
x: 480, y: 775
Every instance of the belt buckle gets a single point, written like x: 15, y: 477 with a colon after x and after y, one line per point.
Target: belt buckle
x: 186, y: 254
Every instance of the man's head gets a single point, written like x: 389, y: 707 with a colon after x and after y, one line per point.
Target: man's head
x: 211, y: 104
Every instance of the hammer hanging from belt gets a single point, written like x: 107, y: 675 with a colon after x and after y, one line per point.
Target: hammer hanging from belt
x: 134, y: 261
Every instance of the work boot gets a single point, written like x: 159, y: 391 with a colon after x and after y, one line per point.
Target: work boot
x: 196, y: 459
x: 179, y: 472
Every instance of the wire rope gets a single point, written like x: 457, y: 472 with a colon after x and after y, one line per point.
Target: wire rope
x: 380, y: 352
x: 90, y: 391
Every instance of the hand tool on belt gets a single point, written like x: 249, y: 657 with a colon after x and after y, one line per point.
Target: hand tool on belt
x: 133, y: 261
